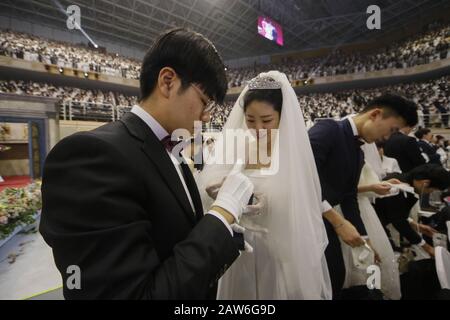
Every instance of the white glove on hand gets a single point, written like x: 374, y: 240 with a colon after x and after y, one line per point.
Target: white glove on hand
x: 213, y: 189
x: 239, y: 229
x: 257, y: 208
x: 235, y: 193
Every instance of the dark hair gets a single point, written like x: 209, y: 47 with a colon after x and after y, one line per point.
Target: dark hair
x: 438, y: 176
x: 193, y: 57
x: 422, y: 132
x: 439, y: 137
x: 271, y: 96
x: 380, y: 144
x: 395, y: 105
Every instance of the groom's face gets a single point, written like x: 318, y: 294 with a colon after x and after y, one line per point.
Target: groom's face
x: 187, y: 106
x: 380, y: 126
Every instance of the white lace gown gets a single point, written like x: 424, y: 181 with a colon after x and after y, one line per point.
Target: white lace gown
x: 257, y: 275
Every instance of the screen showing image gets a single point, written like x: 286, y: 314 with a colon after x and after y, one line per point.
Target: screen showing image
x: 271, y: 30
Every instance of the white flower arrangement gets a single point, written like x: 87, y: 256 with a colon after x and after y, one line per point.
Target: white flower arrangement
x: 18, y: 206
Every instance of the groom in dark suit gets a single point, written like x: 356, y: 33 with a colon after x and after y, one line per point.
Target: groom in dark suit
x: 425, y: 143
x: 339, y: 160
x: 120, y: 207
x: 404, y: 149
x: 396, y: 210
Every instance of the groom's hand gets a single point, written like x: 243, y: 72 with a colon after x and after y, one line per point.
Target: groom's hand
x: 234, y: 194
x: 381, y: 189
x: 348, y: 233
x: 213, y: 189
x: 344, y: 229
x: 429, y: 249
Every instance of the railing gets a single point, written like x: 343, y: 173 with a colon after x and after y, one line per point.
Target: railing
x: 84, y: 66
x: 90, y: 111
x: 439, y: 120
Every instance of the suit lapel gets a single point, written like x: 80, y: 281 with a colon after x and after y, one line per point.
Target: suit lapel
x: 157, y: 154
x: 355, y: 153
x: 360, y: 164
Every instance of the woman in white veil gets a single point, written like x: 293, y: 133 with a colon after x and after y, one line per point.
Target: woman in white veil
x: 287, y: 235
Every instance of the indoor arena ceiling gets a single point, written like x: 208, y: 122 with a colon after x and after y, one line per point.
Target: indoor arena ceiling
x: 230, y: 24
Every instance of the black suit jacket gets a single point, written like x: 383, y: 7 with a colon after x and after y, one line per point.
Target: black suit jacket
x: 114, y: 205
x: 396, y: 210
x: 430, y: 151
x: 405, y: 149
x: 339, y: 160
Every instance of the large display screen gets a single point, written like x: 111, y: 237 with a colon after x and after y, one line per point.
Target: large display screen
x: 271, y: 30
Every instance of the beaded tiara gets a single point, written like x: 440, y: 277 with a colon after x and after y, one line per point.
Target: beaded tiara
x: 263, y: 83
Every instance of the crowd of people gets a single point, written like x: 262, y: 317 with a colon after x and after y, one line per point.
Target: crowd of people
x: 422, y: 49
x: 76, y: 103
x: 433, y: 98
x: 352, y: 193
x: 33, y: 48
x: 429, y: 46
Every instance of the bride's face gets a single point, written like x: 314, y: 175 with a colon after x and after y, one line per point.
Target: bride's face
x: 262, y: 117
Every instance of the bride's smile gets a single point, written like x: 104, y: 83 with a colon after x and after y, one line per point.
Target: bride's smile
x: 262, y: 115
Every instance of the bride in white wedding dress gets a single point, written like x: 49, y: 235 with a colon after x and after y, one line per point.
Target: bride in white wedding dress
x: 284, y: 225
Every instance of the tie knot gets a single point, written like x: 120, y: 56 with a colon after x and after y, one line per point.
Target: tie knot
x: 168, y: 143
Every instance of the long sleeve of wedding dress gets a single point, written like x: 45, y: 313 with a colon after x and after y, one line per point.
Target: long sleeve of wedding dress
x: 390, y: 278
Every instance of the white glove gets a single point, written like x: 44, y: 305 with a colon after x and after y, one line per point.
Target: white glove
x: 257, y: 208
x: 235, y: 193
x: 213, y: 189
x: 240, y: 229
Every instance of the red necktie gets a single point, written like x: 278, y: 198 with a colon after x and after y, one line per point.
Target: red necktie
x: 168, y: 143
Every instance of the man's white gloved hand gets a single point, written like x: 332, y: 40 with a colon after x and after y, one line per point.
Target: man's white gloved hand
x: 235, y: 193
x: 257, y: 208
x: 213, y: 189
x: 240, y: 229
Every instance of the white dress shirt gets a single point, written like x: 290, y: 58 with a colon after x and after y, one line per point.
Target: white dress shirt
x: 161, y: 133
x: 390, y: 165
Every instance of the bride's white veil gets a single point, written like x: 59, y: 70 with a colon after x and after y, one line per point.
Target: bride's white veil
x: 297, y: 234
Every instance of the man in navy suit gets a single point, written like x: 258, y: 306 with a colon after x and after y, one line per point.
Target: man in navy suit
x: 404, y: 149
x: 425, y: 137
x: 339, y: 160
x: 395, y: 210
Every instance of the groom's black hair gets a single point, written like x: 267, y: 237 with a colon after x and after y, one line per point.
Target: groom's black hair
x: 422, y: 132
x: 395, y: 105
x: 271, y: 96
x: 193, y: 57
x: 438, y: 176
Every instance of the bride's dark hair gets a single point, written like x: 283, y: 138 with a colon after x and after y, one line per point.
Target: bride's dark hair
x: 271, y: 96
